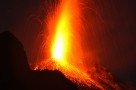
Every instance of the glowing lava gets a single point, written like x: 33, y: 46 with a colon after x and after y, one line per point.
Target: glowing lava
x: 62, y: 39
x: 65, y: 28
x: 66, y: 49
x: 66, y: 43
x: 61, y: 46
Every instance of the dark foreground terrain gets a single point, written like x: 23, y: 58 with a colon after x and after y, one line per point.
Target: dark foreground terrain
x: 15, y: 73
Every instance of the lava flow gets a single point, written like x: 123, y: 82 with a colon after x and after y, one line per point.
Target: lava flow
x: 66, y: 54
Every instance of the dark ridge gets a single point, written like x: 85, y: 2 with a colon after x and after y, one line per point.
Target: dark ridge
x: 15, y: 73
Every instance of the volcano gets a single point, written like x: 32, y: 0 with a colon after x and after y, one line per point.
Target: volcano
x: 16, y: 74
x: 67, y: 45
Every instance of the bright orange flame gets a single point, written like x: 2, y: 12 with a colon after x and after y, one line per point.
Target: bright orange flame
x: 65, y: 42
x: 62, y: 39
x: 66, y: 49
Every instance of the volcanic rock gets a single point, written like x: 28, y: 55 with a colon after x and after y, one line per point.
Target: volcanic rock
x: 15, y: 73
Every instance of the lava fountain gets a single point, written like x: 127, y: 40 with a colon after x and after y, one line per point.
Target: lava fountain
x: 65, y: 47
x: 66, y: 50
x: 66, y: 55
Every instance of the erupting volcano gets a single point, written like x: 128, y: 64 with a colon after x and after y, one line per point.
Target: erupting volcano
x: 66, y: 54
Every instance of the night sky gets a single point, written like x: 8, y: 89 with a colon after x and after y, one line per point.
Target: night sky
x: 110, y: 32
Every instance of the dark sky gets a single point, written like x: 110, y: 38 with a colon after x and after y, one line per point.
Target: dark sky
x: 110, y: 31
x: 111, y: 35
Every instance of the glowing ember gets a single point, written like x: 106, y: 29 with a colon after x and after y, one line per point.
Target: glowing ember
x: 66, y: 52
x: 62, y: 40
x: 66, y: 43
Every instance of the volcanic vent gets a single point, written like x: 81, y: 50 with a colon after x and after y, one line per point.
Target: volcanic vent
x: 65, y: 32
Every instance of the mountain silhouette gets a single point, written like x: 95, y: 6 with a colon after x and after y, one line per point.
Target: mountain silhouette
x: 15, y: 73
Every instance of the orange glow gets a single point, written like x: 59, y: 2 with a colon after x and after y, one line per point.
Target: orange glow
x: 66, y: 49
x: 62, y: 40
x: 66, y: 54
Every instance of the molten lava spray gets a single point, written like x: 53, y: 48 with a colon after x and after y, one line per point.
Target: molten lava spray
x: 65, y: 47
x: 66, y: 55
x: 66, y: 50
